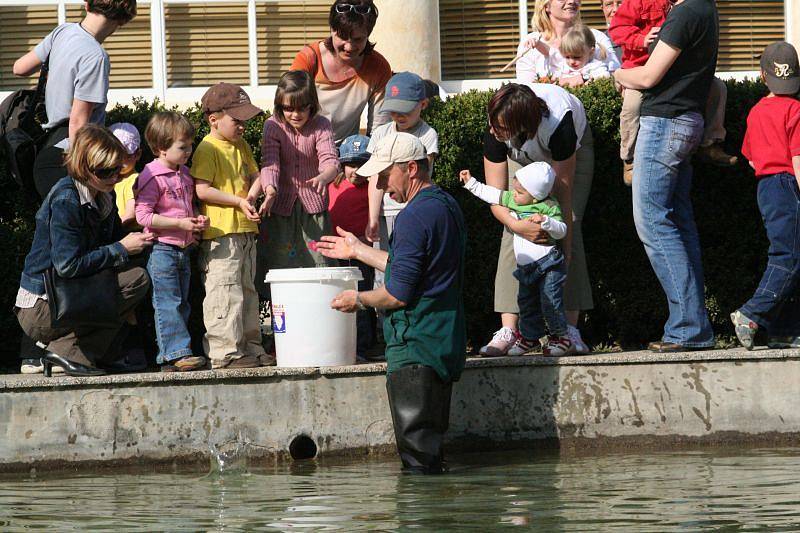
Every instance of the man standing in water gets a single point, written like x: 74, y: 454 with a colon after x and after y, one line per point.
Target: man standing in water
x: 424, y: 327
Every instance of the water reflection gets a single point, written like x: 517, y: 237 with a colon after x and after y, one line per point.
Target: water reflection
x: 721, y: 490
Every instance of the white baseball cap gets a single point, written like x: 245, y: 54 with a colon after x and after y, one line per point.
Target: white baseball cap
x: 128, y: 135
x: 395, y: 148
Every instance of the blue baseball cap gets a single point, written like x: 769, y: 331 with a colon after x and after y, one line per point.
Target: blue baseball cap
x: 403, y: 92
x: 354, y: 149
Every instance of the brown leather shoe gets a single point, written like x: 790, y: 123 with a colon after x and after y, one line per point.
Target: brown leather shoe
x: 246, y: 361
x: 716, y: 155
x: 627, y: 173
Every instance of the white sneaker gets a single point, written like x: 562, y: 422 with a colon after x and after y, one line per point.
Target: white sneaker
x: 574, y: 334
x: 502, y: 341
x: 558, y: 347
x: 523, y: 347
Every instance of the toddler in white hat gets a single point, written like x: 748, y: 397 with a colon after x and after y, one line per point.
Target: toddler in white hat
x: 541, y: 268
x: 129, y: 136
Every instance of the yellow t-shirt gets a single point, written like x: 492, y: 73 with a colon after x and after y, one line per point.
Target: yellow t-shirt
x: 225, y: 166
x: 124, y: 192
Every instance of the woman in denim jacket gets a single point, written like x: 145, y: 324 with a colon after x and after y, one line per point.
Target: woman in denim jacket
x: 77, y: 229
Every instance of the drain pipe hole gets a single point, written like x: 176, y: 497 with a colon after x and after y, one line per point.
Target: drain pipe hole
x: 302, y: 447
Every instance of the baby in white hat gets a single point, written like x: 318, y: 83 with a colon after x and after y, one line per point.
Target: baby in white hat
x: 129, y: 136
x: 541, y: 268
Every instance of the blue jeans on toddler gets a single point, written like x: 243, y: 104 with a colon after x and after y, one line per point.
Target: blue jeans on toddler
x: 774, y: 306
x: 170, y: 271
x: 541, y: 296
x: 664, y: 218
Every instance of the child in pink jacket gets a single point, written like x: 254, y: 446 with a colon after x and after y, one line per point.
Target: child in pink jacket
x: 166, y: 207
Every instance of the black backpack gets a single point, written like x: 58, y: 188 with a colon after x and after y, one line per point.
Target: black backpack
x: 22, y: 114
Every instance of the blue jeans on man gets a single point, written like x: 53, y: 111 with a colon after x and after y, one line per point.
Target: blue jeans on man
x: 541, y: 296
x: 170, y: 272
x: 775, y: 306
x: 662, y: 211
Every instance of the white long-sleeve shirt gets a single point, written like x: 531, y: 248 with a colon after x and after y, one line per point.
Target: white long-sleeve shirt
x: 525, y: 251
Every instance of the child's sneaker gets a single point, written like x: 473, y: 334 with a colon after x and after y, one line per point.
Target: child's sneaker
x: 558, y: 346
x: 523, y: 347
x: 502, y: 341
x: 780, y: 342
x: 745, y: 329
x: 574, y: 334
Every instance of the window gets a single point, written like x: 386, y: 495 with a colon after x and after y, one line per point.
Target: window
x: 22, y: 27
x: 746, y: 27
x: 283, y: 29
x: 206, y: 43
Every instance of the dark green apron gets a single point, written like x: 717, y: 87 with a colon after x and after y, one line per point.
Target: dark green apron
x: 429, y: 331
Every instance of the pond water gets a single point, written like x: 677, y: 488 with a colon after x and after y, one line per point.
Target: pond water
x: 721, y: 490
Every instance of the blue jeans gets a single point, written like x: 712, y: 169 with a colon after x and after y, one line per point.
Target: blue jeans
x: 541, y: 296
x: 662, y: 211
x: 774, y: 306
x: 170, y: 271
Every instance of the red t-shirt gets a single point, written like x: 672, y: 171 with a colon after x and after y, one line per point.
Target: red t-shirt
x: 348, y: 207
x: 773, y: 136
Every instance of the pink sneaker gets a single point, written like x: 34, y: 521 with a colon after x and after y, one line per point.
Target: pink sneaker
x: 502, y: 341
x: 558, y: 346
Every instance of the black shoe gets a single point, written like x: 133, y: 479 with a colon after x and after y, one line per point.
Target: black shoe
x: 70, y: 368
x: 671, y: 347
x: 420, y: 405
x: 133, y: 360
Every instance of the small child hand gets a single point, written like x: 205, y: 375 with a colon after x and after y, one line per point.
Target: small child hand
x: 248, y: 210
x: 190, y: 224
x: 464, y: 176
x: 203, y: 221
x: 318, y: 184
x: 536, y: 218
x: 652, y: 35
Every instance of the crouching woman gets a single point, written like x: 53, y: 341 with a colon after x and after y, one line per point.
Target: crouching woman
x: 76, y: 234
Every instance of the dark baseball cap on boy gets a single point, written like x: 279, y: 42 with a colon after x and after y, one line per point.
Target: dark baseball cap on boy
x: 354, y: 150
x: 403, y: 92
x: 781, y: 69
x: 231, y: 99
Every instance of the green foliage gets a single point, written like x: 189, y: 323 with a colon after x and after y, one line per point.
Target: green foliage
x: 630, y: 308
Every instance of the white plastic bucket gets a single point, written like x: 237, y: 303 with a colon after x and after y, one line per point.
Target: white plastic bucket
x: 307, y: 331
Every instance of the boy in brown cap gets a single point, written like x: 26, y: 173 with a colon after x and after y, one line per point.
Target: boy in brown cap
x: 772, y: 146
x: 224, y: 170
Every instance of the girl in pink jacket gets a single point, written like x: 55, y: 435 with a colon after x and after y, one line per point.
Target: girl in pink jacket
x: 166, y: 207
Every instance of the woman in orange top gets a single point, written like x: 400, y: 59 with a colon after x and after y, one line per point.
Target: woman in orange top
x: 348, y: 72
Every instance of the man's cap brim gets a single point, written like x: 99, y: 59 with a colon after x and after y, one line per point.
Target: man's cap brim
x: 373, y: 166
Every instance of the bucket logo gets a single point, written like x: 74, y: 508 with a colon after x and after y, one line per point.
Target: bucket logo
x: 278, y: 319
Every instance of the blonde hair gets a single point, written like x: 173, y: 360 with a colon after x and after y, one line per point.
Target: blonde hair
x: 540, y: 20
x: 165, y: 128
x: 94, y: 148
x: 579, y: 41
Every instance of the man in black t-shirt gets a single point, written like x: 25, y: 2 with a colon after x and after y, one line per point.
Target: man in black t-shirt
x: 675, y: 80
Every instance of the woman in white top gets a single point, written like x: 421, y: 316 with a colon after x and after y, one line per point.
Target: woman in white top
x: 550, y: 21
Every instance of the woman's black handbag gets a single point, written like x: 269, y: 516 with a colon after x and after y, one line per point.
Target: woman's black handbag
x: 89, y: 301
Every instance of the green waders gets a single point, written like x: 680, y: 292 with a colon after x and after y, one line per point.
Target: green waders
x: 425, y: 352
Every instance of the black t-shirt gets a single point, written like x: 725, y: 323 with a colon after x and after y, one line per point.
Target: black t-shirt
x: 693, y: 27
x: 562, y: 143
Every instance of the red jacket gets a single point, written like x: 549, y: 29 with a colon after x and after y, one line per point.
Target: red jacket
x: 631, y: 24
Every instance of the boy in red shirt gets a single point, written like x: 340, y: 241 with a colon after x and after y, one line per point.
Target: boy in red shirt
x: 634, y: 27
x: 348, y: 208
x: 772, y: 146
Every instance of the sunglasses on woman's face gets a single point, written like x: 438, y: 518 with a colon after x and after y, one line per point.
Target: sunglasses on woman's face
x: 107, y: 173
x: 356, y: 8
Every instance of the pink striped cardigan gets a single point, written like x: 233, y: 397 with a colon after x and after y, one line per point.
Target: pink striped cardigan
x: 290, y: 158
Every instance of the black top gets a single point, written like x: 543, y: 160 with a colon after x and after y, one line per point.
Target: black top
x: 562, y: 142
x: 693, y: 27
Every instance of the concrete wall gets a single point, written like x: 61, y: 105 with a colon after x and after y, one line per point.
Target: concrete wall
x: 407, y: 34
x: 632, y: 399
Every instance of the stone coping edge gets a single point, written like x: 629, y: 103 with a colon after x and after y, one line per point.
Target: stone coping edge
x: 12, y: 382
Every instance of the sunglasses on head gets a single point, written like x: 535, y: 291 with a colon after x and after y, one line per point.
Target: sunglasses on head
x: 356, y: 8
x: 107, y: 173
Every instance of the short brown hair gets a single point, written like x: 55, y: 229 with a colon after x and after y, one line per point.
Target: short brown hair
x: 344, y: 24
x: 299, y: 88
x: 165, y: 128
x: 518, y: 109
x: 94, y: 148
x: 121, y: 11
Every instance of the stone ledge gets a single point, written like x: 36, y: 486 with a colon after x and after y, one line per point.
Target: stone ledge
x: 13, y: 382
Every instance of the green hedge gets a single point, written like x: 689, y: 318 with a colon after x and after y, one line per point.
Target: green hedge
x: 629, y: 305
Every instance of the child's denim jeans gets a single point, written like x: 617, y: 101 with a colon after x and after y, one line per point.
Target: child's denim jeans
x: 170, y: 272
x: 775, y: 306
x: 541, y: 296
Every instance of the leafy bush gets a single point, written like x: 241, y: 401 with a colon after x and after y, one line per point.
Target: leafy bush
x: 629, y: 305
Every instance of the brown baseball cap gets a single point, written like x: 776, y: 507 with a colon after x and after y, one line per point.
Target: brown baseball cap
x: 231, y: 99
